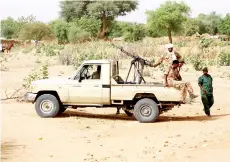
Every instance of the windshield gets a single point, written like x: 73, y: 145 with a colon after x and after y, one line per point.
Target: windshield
x: 75, y: 73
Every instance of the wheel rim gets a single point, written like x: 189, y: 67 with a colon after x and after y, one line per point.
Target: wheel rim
x: 145, y: 110
x: 46, y: 106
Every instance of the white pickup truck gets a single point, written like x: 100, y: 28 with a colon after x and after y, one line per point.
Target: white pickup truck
x: 105, y: 88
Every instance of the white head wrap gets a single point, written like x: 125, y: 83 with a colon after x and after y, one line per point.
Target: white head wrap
x: 170, y: 45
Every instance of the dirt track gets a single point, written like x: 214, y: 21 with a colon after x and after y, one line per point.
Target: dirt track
x: 182, y: 134
x: 79, y: 135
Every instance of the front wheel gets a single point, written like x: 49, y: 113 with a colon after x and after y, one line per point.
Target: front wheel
x: 146, y: 110
x: 47, y: 105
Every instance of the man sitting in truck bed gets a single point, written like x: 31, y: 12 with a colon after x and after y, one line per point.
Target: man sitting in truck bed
x: 172, y: 79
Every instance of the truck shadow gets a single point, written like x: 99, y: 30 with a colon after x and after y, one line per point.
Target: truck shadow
x: 189, y: 118
x: 97, y: 116
x: 123, y: 116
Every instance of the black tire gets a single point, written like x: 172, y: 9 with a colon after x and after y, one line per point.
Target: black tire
x: 47, y: 99
x: 62, y: 109
x: 151, y: 110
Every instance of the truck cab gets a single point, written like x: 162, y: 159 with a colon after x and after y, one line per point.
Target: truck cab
x: 91, y: 83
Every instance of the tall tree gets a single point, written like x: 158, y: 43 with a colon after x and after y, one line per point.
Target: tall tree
x: 208, y: 23
x: 224, y: 25
x: 71, y: 10
x: 27, y: 20
x: 60, y: 29
x: 35, y: 31
x: 105, y: 11
x: 169, y: 17
x: 190, y: 27
x: 9, y: 28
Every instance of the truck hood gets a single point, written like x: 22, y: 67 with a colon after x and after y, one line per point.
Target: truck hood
x: 56, y: 80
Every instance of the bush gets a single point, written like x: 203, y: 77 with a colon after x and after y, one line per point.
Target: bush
x: 49, y: 49
x: 27, y: 49
x: 75, y: 55
x: 224, y: 58
x: 42, y: 73
x: 205, y: 43
x: 67, y: 56
x: 197, y: 62
x: 180, y: 44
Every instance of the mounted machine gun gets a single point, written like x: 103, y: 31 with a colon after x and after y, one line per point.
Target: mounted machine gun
x: 137, y: 64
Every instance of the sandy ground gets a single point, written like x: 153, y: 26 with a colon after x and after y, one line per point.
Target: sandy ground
x: 182, y: 135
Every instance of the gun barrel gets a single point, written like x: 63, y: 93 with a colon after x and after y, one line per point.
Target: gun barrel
x: 136, y: 57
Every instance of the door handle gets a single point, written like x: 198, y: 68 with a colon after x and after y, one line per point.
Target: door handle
x: 76, y: 86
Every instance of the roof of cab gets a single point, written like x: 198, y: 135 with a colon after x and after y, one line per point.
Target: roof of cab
x: 104, y: 61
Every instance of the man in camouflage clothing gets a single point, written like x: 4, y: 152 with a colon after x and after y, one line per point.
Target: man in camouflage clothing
x: 173, y: 79
x: 205, y: 83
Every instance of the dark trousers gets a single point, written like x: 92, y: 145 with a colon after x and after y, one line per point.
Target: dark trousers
x: 208, y: 101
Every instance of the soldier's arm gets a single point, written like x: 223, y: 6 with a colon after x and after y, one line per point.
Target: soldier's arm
x: 178, y: 56
x: 166, y: 76
x: 158, y: 62
x: 200, y: 83
x: 179, y: 76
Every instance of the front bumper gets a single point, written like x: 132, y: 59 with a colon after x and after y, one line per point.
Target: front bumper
x: 30, y: 97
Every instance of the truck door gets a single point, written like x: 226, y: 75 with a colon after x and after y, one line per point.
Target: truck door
x: 87, y: 88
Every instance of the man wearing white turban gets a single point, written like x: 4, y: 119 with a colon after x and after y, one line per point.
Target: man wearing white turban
x: 168, y: 57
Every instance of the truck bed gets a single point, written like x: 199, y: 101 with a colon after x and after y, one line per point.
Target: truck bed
x: 128, y: 91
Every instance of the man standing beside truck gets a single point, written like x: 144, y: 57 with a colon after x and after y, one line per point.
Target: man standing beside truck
x: 173, y: 79
x: 205, y: 84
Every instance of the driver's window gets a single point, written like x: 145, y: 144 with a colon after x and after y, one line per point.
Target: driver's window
x: 91, y: 72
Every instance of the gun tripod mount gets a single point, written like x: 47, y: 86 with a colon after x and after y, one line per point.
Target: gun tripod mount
x: 138, y: 66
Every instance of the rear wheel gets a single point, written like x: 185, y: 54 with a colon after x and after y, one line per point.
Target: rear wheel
x: 146, y: 110
x: 47, y: 105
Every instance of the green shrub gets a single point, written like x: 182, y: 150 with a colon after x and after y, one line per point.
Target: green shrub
x: 27, y: 49
x: 197, y: 62
x: 224, y: 58
x: 49, y: 49
x: 205, y: 43
x: 42, y: 73
x: 180, y: 44
x: 67, y: 55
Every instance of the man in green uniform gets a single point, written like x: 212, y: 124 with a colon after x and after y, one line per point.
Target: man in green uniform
x: 205, y: 83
